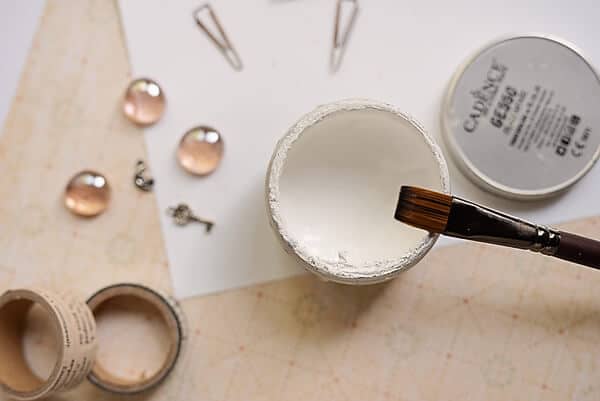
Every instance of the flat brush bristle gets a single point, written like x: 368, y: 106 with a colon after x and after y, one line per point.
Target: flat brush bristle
x: 423, y: 208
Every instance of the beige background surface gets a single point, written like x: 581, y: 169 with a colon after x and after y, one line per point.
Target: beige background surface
x: 468, y: 323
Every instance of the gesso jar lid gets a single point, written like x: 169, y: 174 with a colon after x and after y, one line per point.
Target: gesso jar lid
x: 521, y: 118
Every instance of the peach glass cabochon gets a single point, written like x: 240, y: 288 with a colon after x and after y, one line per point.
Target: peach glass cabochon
x: 144, y: 102
x: 87, y: 194
x: 200, y: 150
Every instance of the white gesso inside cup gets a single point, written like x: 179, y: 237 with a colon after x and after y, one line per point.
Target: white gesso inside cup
x: 333, y: 184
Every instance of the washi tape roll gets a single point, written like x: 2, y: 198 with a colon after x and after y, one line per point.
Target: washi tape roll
x: 74, y: 328
x: 113, y: 299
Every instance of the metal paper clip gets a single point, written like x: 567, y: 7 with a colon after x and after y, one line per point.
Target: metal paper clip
x: 340, y: 38
x: 140, y: 180
x: 223, y: 43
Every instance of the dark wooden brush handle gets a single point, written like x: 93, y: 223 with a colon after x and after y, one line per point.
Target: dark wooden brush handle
x: 581, y: 250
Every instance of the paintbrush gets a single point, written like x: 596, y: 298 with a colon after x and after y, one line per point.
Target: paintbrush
x: 446, y: 214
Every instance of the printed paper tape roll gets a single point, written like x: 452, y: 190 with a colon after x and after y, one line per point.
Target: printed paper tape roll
x: 114, y: 300
x: 74, y: 327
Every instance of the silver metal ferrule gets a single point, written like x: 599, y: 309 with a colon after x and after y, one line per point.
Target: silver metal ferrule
x: 547, y: 241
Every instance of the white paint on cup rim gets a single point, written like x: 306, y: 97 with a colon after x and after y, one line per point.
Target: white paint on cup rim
x: 333, y: 183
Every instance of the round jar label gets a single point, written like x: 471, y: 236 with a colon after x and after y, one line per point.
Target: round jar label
x: 522, y: 117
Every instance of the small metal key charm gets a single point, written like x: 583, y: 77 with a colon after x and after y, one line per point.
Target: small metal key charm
x: 141, y: 182
x: 182, y: 215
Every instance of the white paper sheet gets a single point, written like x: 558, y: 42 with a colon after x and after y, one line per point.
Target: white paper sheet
x: 18, y: 23
x: 400, y: 52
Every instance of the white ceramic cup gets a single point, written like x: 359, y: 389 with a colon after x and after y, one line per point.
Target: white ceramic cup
x: 332, y: 187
